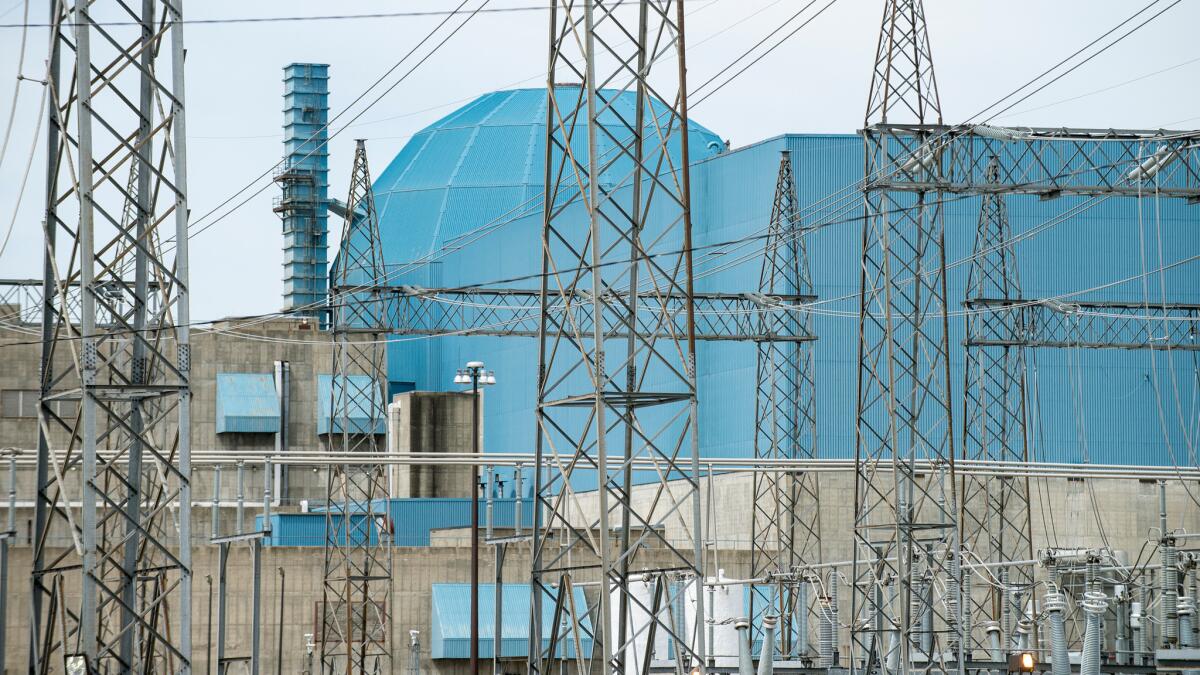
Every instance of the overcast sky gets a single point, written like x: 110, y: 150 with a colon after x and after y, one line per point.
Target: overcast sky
x: 815, y: 82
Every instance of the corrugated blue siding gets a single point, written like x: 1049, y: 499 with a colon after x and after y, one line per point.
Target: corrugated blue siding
x: 451, y: 625
x: 1098, y: 406
x: 247, y: 403
x: 359, y: 408
x: 411, y: 521
x: 309, y: 530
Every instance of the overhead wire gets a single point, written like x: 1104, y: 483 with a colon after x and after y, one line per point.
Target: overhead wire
x: 328, y: 125
x: 1150, y: 353
x: 847, y: 190
x: 513, y: 279
x: 458, y: 245
x: 1101, y: 90
x: 37, y: 128
x: 12, y: 111
x: 304, y: 18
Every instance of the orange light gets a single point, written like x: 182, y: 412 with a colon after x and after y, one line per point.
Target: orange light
x: 1027, y: 662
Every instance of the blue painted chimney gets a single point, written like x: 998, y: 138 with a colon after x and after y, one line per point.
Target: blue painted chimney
x: 304, y: 180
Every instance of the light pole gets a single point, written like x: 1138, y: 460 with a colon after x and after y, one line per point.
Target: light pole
x: 475, y: 375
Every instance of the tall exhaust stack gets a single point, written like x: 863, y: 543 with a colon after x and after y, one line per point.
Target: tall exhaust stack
x: 303, y: 178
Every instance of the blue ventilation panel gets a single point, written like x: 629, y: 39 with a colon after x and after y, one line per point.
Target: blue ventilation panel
x: 247, y: 403
x: 304, y: 181
x: 359, y: 407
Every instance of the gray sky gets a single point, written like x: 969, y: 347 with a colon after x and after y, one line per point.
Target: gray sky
x: 816, y: 82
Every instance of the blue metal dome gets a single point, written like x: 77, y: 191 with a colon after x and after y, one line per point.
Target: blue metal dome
x: 481, y: 164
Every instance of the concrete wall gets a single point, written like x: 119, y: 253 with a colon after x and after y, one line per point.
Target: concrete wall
x: 431, y: 422
x: 415, y: 569
x: 1063, y: 515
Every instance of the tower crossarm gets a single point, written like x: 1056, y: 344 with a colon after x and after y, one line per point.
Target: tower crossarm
x: 1091, y: 324
x: 514, y: 312
x: 1038, y: 161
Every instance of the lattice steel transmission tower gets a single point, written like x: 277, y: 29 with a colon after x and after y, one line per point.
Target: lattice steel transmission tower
x: 355, y: 627
x: 785, y: 523
x: 112, y: 525
x: 996, y: 522
x: 616, y: 248
x: 906, y: 568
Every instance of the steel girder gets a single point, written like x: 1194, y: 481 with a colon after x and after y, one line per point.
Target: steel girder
x: 1044, y: 162
x: 906, y: 566
x: 785, y: 532
x: 620, y: 386
x: 112, y: 553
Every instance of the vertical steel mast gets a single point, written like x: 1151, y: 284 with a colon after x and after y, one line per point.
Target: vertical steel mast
x: 112, y: 554
x: 905, y: 525
x: 355, y: 616
x: 996, y: 524
x: 616, y: 380
x: 785, y: 525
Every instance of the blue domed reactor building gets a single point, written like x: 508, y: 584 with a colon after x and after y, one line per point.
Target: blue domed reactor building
x: 461, y: 205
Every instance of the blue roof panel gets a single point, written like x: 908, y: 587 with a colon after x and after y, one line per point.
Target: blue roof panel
x: 451, y: 626
x: 246, y: 403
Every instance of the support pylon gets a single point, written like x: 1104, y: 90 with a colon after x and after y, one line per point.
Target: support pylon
x: 996, y: 525
x: 355, y: 620
x: 905, y: 524
x: 616, y: 247
x: 785, y: 521
x: 114, y: 472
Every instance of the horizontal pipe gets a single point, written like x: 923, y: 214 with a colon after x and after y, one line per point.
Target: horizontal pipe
x: 714, y: 464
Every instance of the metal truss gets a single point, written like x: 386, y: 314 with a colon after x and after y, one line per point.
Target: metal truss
x: 1091, y: 324
x: 622, y: 386
x: 508, y: 312
x: 785, y: 530
x: 906, y: 569
x: 113, y: 480
x: 995, y: 519
x: 515, y: 312
x: 1044, y: 162
x: 354, y: 622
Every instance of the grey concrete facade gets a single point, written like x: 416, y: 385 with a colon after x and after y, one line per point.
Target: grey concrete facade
x: 431, y: 422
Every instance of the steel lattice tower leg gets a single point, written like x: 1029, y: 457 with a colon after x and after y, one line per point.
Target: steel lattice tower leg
x: 785, y: 527
x: 996, y: 522
x: 113, y: 449
x: 617, y: 218
x: 356, y: 622
x: 905, y: 527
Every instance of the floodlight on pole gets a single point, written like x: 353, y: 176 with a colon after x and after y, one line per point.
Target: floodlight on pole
x: 474, y: 375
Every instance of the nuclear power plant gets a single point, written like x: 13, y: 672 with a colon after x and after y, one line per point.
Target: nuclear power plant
x: 573, y: 385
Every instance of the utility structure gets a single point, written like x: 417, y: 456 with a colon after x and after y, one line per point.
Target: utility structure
x: 996, y: 520
x: 785, y: 524
x: 905, y: 524
x: 112, y: 581
x: 622, y: 386
x: 899, y: 410
x: 355, y: 617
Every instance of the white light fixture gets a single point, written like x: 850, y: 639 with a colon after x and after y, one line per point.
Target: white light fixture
x: 474, y: 374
